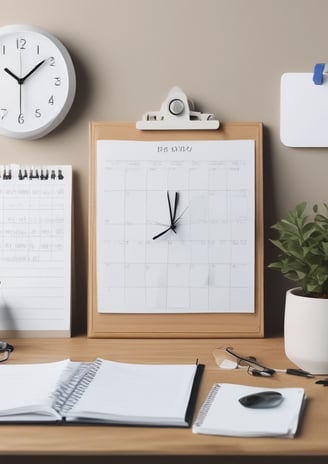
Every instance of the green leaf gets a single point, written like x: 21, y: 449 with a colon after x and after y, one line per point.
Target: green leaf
x: 313, y: 288
x: 325, y: 249
x: 308, y: 230
x: 300, y: 208
x: 276, y: 265
x: 279, y: 245
x: 303, y: 249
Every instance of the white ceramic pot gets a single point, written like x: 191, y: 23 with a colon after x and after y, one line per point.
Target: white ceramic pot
x: 306, y: 331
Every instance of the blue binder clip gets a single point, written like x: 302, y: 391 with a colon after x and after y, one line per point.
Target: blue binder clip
x: 319, y: 69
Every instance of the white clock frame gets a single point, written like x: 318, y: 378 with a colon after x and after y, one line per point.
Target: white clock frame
x: 15, y: 36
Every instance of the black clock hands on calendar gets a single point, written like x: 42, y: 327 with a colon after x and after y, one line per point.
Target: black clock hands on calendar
x: 173, y: 215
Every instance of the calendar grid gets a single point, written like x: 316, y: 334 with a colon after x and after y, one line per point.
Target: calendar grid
x: 35, y: 228
x: 207, y: 263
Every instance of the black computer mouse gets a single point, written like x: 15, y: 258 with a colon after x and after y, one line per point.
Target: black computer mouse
x: 262, y: 400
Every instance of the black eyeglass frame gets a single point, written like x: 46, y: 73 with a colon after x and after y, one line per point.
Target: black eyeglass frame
x: 251, y: 361
x: 5, y: 348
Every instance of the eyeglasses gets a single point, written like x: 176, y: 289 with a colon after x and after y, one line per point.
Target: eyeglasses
x: 5, y: 350
x: 226, y: 358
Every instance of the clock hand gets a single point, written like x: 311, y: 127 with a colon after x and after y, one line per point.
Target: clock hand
x: 170, y: 208
x: 162, y: 233
x: 173, y: 219
x: 21, y: 80
x: 18, y: 79
x: 176, y: 201
x: 169, y: 228
x: 32, y: 71
x: 20, y: 103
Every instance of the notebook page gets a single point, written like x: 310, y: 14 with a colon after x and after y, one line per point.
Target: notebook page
x: 35, y: 248
x: 222, y: 414
x: 23, y: 386
x: 137, y: 393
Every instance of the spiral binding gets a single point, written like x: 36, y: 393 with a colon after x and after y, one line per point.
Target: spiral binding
x: 206, y: 405
x: 32, y: 173
x: 68, y: 393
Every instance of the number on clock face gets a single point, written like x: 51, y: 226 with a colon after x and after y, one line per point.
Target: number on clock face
x: 37, y: 82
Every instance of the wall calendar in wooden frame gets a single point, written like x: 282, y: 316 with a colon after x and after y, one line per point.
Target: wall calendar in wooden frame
x: 175, y: 232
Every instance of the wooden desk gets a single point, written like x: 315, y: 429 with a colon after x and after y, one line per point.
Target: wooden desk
x: 165, y: 445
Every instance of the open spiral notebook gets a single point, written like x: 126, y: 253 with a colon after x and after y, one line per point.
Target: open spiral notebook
x: 101, y: 392
x: 35, y: 250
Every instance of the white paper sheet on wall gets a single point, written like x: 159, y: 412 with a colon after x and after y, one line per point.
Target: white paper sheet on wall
x: 175, y: 226
x: 35, y: 249
x: 303, y: 111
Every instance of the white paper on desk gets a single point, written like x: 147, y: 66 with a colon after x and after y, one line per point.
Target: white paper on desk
x: 222, y: 414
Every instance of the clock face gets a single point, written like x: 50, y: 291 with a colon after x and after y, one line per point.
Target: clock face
x: 37, y: 82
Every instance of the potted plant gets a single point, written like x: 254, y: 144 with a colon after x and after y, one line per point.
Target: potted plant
x: 303, y: 258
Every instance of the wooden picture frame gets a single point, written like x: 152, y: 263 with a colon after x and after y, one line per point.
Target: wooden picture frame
x: 190, y: 325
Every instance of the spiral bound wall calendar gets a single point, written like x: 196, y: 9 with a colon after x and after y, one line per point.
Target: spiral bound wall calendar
x: 35, y: 250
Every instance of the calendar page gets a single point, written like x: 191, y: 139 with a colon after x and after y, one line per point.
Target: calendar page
x: 35, y: 250
x: 175, y: 226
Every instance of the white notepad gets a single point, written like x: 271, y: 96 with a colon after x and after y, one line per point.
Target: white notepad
x: 104, y: 392
x: 303, y: 111
x: 35, y: 250
x: 222, y: 414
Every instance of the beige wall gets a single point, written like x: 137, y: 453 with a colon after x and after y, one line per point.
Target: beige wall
x: 227, y: 56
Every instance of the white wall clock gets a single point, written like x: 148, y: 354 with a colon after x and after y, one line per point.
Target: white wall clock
x: 37, y: 82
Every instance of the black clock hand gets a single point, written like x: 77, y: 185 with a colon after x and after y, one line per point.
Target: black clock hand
x: 173, y: 216
x: 18, y: 79
x: 32, y: 71
x: 162, y: 233
x: 20, y: 103
x: 173, y: 219
x: 21, y: 80
x: 176, y: 201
